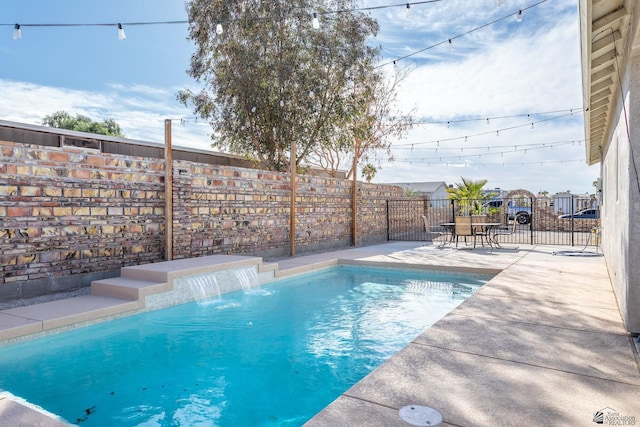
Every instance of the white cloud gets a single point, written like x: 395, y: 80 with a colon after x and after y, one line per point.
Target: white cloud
x: 139, y: 110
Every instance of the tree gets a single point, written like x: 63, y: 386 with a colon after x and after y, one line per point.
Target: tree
x: 369, y: 171
x: 270, y: 78
x: 372, y: 125
x: 411, y: 192
x: 470, y: 195
x: 80, y: 123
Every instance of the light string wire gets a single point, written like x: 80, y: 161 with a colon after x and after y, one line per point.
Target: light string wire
x: 496, y: 131
x: 493, y: 147
x: 483, y: 164
x: 172, y: 22
x: 450, y: 39
x: 467, y: 156
x: 483, y: 118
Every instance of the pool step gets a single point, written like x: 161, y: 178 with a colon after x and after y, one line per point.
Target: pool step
x: 127, y: 288
x: 51, y: 315
x: 127, y: 293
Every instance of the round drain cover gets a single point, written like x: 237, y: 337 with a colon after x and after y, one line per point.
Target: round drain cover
x: 420, y: 415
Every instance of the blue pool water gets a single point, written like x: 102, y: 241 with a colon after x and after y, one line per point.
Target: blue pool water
x: 271, y: 356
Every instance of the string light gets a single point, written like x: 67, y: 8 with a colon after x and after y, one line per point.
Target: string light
x: 493, y: 131
x: 408, y: 10
x: 468, y: 163
x: 488, y: 24
x: 529, y: 116
x: 121, y: 33
x: 450, y: 45
x: 17, y: 33
x: 219, y: 29
x: 519, y: 16
x: 315, y: 22
x: 534, y: 145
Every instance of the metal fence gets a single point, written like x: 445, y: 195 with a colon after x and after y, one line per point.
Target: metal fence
x: 524, y: 220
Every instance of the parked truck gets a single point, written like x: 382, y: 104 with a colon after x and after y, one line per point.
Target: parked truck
x: 521, y: 214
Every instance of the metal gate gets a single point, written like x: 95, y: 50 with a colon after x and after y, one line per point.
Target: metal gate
x: 568, y: 220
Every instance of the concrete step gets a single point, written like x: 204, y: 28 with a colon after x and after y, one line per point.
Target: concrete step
x: 51, y: 315
x: 127, y: 288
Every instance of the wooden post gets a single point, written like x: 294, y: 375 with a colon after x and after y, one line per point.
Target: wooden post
x: 292, y: 219
x: 168, y: 191
x: 354, y: 202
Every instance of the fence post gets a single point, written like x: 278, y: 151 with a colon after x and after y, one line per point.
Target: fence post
x: 388, y: 221
x: 531, y: 219
x: 573, y: 219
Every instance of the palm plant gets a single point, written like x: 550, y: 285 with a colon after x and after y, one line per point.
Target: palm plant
x: 470, y: 195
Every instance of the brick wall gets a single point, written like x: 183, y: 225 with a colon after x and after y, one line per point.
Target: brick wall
x: 69, y: 215
x: 66, y: 213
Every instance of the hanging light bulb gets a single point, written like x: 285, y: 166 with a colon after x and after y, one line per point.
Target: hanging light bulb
x: 408, y: 10
x: 315, y: 22
x: 519, y: 16
x: 450, y: 45
x: 253, y: 110
x: 219, y: 29
x: 17, y: 33
x: 312, y: 94
x: 488, y: 121
x: 121, y: 33
x: 281, y: 103
x: 531, y: 125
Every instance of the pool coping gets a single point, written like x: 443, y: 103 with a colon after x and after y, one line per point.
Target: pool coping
x: 381, y: 408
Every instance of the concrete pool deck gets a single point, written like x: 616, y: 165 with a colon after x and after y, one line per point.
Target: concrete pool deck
x: 542, y: 343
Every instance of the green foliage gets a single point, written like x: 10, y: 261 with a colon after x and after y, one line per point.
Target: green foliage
x: 372, y: 125
x: 80, y: 123
x: 470, y: 195
x: 369, y: 171
x: 411, y: 192
x: 270, y: 78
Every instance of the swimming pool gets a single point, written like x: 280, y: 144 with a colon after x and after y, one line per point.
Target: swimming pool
x: 274, y: 355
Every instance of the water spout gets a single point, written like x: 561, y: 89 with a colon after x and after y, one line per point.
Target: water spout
x: 247, y: 277
x: 203, y: 287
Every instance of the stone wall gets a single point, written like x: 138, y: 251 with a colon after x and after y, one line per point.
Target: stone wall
x: 71, y: 215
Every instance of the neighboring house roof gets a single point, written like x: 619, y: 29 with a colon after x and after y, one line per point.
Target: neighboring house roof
x: 422, y: 187
x: 604, y: 46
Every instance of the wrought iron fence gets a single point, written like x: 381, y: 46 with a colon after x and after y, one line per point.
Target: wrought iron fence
x: 569, y: 220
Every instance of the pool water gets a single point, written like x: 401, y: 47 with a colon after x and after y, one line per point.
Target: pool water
x: 274, y: 355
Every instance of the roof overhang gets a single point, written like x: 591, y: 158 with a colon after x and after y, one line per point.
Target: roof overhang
x: 604, y: 28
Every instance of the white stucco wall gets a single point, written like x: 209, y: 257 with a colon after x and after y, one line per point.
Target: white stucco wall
x: 621, y: 189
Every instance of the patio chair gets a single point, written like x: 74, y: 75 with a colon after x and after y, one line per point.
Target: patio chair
x: 480, y: 230
x: 463, y: 228
x: 506, y: 230
x: 440, y: 231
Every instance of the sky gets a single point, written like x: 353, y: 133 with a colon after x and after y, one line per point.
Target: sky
x: 502, y: 103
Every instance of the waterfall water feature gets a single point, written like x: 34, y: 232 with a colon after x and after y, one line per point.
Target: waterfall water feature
x: 248, y: 278
x: 212, y: 285
x: 204, y: 286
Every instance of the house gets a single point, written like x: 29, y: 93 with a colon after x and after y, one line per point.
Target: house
x: 610, y: 53
x: 566, y: 202
x: 433, y: 190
